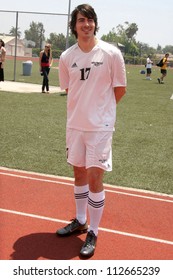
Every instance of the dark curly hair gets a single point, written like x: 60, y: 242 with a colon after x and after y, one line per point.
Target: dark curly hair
x: 87, y: 11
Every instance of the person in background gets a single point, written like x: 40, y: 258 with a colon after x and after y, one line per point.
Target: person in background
x: 2, y: 59
x: 149, y: 64
x: 45, y: 62
x: 163, y: 69
x: 93, y: 74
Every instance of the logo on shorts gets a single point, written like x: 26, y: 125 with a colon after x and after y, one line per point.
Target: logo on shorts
x: 103, y: 160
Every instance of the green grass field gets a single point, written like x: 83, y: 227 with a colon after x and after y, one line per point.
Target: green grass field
x: 32, y: 134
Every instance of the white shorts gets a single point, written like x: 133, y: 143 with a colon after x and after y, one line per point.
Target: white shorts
x: 89, y: 148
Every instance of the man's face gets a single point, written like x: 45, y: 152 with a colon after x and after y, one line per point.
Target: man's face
x: 85, y: 27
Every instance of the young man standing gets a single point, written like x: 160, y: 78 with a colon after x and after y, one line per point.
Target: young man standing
x: 149, y: 64
x: 163, y: 69
x: 93, y: 74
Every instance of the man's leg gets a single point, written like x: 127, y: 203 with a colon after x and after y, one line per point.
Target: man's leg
x: 81, y: 189
x: 96, y: 200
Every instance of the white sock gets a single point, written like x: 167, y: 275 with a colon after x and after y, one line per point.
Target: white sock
x: 95, y: 208
x: 81, y: 199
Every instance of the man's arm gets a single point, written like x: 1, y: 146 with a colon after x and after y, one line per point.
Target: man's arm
x: 119, y: 92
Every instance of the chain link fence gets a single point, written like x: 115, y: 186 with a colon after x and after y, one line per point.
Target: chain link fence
x: 14, y: 24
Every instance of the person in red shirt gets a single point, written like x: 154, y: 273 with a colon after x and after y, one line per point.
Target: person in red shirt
x: 2, y: 59
x: 45, y: 61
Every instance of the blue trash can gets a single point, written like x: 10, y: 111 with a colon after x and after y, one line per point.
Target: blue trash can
x: 27, y: 68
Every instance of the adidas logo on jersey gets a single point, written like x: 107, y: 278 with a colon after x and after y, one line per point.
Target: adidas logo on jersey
x: 74, y: 65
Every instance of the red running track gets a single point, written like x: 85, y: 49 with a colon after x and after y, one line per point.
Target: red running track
x: 136, y: 225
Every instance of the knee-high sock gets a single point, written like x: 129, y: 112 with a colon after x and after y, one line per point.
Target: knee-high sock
x: 95, y: 208
x: 81, y: 199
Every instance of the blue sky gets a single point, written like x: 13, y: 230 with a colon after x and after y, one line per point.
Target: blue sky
x: 153, y: 29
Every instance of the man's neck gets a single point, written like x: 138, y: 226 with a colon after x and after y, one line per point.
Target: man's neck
x: 88, y: 44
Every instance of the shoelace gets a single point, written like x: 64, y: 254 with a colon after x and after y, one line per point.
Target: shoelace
x: 74, y: 222
x: 89, y: 239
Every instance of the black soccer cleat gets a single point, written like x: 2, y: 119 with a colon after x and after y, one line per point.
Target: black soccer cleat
x: 71, y: 228
x: 89, y: 245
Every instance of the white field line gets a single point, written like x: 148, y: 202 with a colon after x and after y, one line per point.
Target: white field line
x: 100, y: 228
x: 72, y: 180
x: 163, y: 197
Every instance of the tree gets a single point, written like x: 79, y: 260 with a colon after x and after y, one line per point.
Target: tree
x: 159, y: 48
x: 131, y: 30
x: 127, y: 33
x: 111, y: 36
x: 72, y: 39
x: 125, y: 36
x: 168, y: 49
x: 57, y: 41
x: 13, y: 32
x: 36, y: 34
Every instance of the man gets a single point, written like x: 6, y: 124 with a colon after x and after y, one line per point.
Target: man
x: 148, y: 68
x: 93, y: 74
x: 163, y: 69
